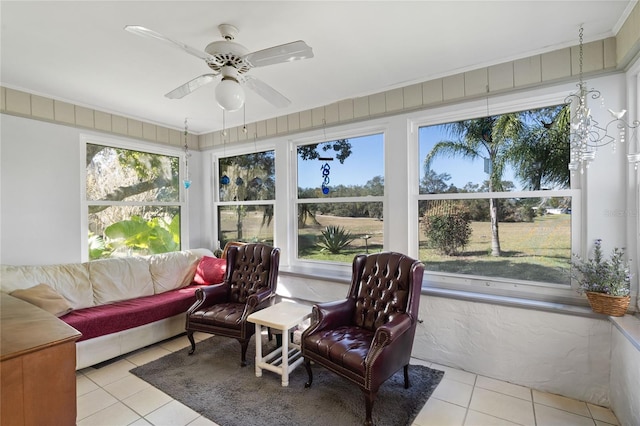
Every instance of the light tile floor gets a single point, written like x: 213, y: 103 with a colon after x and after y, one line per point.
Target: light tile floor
x: 111, y: 396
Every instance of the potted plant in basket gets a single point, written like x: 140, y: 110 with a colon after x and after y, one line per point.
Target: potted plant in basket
x: 606, y: 282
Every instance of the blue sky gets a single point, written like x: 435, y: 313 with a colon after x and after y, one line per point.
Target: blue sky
x: 367, y: 161
x: 462, y: 171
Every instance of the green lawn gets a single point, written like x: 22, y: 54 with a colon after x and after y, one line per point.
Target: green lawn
x: 535, y: 251
x: 359, y: 227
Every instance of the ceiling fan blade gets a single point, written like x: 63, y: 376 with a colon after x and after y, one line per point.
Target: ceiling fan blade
x: 146, y: 32
x: 277, y: 54
x: 270, y: 94
x: 190, y: 86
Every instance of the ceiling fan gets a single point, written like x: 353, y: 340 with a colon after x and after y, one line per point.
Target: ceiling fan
x: 231, y: 61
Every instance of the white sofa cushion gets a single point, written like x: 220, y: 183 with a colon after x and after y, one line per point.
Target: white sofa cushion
x: 70, y: 281
x: 200, y: 252
x: 172, y: 270
x: 119, y: 279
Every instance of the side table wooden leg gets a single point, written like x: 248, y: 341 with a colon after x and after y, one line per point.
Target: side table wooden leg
x: 258, y: 337
x: 285, y: 357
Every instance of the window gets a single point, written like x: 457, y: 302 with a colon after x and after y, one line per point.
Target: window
x: 246, y: 198
x: 340, y: 198
x: 495, y: 200
x: 133, y: 201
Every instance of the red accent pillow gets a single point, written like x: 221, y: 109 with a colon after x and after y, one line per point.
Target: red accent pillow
x: 210, y: 270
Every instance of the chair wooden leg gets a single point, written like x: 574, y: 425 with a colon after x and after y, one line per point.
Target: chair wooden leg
x: 369, y: 399
x: 406, y: 377
x: 307, y: 366
x: 193, y: 342
x: 244, y: 344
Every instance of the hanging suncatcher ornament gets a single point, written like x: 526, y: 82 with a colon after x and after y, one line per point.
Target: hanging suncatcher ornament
x: 187, y: 154
x: 326, y: 171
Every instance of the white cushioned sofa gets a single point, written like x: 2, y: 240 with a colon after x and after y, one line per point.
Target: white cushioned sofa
x: 118, y: 304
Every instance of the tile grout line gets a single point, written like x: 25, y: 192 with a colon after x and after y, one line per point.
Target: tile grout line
x: 83, y: 374
x: 533, y: 408
x: 473, y: 390
x: 103, y: 408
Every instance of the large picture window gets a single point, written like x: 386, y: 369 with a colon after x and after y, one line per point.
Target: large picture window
x: 340, y: 198
x: 133, y: 201
x: 246, y: 197
x: 495, y: 198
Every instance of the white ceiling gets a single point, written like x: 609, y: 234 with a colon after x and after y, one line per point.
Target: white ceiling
x: 77, y: 51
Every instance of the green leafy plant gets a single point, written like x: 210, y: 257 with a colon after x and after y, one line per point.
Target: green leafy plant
x: 448, y: 230
x: 335, y: 238
x: 609, y: 276
x: 97, y: 247
x: 145, y: 236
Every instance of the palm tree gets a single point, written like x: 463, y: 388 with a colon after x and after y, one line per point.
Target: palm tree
x: 534, y: 142
x: 489, y: 138
x: 542, y: 151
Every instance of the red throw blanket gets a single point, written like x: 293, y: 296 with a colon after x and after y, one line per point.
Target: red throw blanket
x: 125, y: 314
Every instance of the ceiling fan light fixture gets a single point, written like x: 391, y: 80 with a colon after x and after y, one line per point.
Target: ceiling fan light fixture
x: 232, y: 61
x: 229, y: 94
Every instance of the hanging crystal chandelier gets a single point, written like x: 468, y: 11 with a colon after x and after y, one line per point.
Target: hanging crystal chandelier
x: 586, y: 133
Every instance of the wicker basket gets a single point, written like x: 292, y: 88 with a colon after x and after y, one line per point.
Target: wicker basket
x: 616, y: 306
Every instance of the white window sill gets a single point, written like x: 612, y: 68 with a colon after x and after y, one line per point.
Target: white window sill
x: 339, y: 274
x: 342, y: 274
x: 629, y: 326
x: 515, y: 302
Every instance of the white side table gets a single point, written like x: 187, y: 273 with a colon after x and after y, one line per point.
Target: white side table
x: 282, y: 316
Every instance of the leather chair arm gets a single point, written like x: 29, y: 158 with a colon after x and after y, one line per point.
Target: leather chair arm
x: 387, y: 333
x: 257, y: 301
x: 330, y: 315
x: 207, y: 296
x: 259, y: 298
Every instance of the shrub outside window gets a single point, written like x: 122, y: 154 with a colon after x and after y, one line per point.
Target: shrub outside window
x: 340, y: 198
x: 133, y: 201
x: 495, y: 199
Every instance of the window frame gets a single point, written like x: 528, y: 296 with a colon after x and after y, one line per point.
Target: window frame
x: 503, y: 287
x: 633, y: 232
x: 131, y: 145
x: 236, y: 150
x: 321, y: 267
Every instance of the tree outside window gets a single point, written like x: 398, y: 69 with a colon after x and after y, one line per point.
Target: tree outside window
x: 246, y: 197
x: 133, y: 201
x: 495, y: 196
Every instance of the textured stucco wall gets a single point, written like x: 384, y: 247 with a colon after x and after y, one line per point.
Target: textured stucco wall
x: 550, y: 352
x: 625, y: 375
x: 563, y: 354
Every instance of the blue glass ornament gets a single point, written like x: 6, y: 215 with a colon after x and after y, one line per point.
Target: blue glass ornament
x: 225, y: 180
x: 326, y: 170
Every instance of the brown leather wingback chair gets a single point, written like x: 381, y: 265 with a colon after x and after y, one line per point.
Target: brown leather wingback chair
x: 368, y: 336
x: 249, y: 285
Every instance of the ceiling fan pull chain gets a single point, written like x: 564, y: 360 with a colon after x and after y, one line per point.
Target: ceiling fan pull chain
x: 224, y: 125
x: 244, y: 119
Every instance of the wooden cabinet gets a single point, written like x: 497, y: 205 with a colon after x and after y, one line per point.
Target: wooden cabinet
x: 37, y: 366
